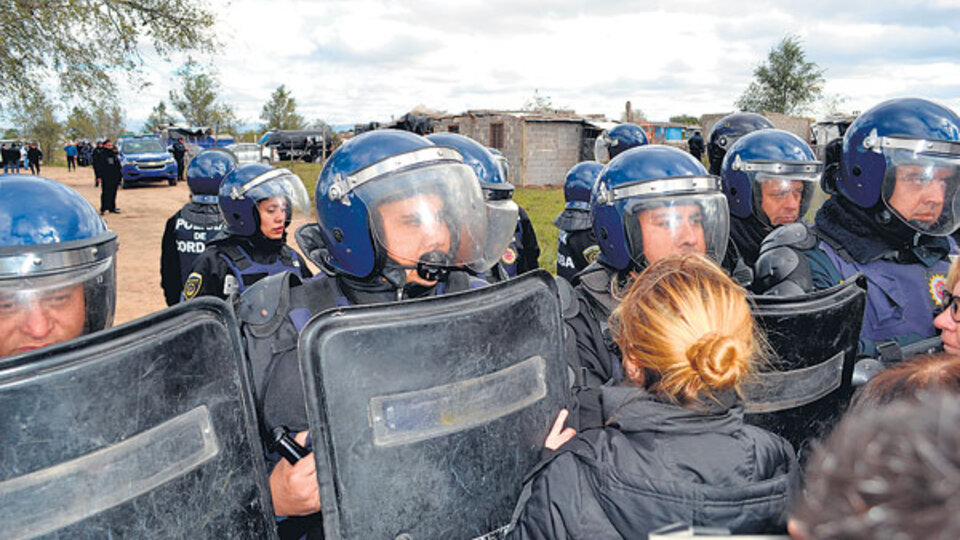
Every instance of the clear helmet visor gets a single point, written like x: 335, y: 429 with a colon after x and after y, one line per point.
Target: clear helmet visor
x: 922, y: 190
x: 601, y: 149
x: 501, y: 225
x: 434, y: 215
x: 504, y: 168
x: 281, y: 196
x: 779, y: 199
x: 659, y: 227
x: 38, y: 311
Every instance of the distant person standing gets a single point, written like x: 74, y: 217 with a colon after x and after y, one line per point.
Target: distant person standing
x: 94, y: 160
x: 695, y: 144
x: 71, y: 151
x: 179, y: 151
x: 106, y: 164
x: 7, y: 156
x: 34, y: 155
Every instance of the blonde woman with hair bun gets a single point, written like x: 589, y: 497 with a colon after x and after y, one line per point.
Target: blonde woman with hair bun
x: 673, y: 446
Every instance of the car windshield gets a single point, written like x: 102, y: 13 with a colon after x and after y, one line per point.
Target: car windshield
x: 142, y: 147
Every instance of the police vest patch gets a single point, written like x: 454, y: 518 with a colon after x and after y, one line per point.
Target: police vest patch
x: 509, y: 256
x: 938, y: 285
x: 591, y: 253
x: 192, y: 286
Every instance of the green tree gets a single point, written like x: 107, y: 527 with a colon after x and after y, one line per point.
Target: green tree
x: 80, y: 124
x: 197, y: 98
x: 36, y: 116
x: 99, y: 121
x: 159, y: 118
x: 85, y: 46
x: 281, y: 111
x: 11, y: 133
x: 332, y: 137
x: 785, y: 83
x: 685, y: 119
x: 539, y: 103
x: 108, y: 120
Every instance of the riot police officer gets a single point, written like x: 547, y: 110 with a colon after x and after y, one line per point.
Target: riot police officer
x: 617, y: 140
x: 505, y: 228
x: 523, y: 252
x: 769, y: 177
x: 896, y: 201
x: 725, y: 133
x: 258, y: 203
x: 399, y: 218
x: 187, y: 232
x: 57, y: 267
x: 695, y: 145
x: 576, y: 244
x: 648, y: 203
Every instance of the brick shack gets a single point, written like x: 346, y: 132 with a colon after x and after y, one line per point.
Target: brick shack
x: 540, y: 146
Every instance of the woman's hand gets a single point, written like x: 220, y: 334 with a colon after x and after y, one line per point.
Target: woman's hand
x: 558, y: 434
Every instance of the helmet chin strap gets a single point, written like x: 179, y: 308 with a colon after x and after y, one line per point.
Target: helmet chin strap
x: 432, y: 266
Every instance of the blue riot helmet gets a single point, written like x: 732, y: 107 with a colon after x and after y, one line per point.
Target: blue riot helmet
x: 502, y: 212
x: 390, y: 202
x: 724, y: 134
x: 247, y: 187
x: 617, y: 140
x: 771, y: 174
x: 577, y: 186
x: 57, y: 265
x: 207, y: 170
x: 655, y: 201
x: 905, y: 152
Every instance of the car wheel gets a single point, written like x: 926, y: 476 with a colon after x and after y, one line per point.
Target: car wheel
x: 124, y: 184
x: 172, y: 181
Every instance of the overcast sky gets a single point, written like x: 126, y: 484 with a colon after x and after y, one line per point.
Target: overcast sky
x: 358, y: 61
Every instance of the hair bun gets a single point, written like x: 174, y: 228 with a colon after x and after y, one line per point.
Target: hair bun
x: 718, y: 359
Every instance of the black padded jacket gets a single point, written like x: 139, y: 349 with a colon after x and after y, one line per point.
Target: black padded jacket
x: 654, y: 464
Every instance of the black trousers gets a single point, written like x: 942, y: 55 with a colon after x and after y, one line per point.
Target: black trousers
x: 35, y: 168
x: 180, y: 170
x: 108, y: 194
x: 71, y: 163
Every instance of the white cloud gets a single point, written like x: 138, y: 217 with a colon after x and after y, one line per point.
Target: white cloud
x: 366, y: 60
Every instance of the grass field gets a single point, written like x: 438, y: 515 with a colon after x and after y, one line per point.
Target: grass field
x: 541, y: 204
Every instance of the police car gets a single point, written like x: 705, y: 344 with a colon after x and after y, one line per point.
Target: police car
x: 144, y: 159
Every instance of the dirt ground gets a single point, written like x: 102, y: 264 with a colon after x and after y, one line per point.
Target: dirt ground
x: 139, y: 226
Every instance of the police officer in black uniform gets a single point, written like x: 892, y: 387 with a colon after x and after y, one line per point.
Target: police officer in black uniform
x: 512, y: 246
x: 187, y: 231
x: 695, y: 144
x: 106, y: 165
x: 649, y: 203
x: 576, y: 244
x: 399, y: 218
x: 257, y: 202
x: 179, y: 151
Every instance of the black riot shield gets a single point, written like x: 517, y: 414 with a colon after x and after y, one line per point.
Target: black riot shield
x: 141, y: 431
x: 808, y: 384
x: 427, y: 414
